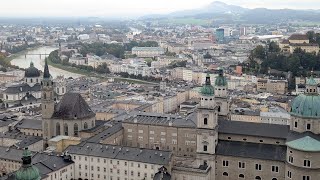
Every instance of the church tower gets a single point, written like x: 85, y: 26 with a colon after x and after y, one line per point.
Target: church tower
x: 207, y: 123
x: 47, y: 101
x: 221, y: 94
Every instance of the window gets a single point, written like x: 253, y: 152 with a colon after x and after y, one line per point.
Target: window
x: 174, y: 134
x: 163, y: 133
x: 242, y: 165
x: 174, y: 141
x: 241, y: 176
x: 275, y: 168
x: 131, y: 173
x: 140, y: 131
x: 258, y: 178
x: 111, y: 170
x: 225, y: 174
x: 308, y: 126
x: 205, y: 148
x: 225, y: 163
x: 258, y: 167
x: 129, y: 130
x: 151, y: 132
x: 65, y: 127
x: 145, y: 166
x: 58, y: 129
x: 205, y: 121
x: 85, y: 126
x: 289, y: 174
x: 76, y: 129
x: 306, y: 163
x: 290, y: 159
x: 295, y: 124
x: 305, y: 177
x: 138, y: 174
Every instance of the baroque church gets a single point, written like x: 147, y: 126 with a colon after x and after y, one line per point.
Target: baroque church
x: 204, y: 145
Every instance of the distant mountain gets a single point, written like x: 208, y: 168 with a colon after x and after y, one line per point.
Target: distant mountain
x: 215, y: 7
x: 223, y: 12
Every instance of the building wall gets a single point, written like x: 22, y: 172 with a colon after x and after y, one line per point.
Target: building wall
x: 233, y: 171
x: 253, y: 139
x: 182, y: 141
x: 98, y: 168
x: 64, y: 173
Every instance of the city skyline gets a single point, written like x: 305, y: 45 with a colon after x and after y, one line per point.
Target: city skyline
x: 124, y: 8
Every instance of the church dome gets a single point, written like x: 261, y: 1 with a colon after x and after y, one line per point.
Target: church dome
x: 32, y: 71
x: 220, y: 80
x: 306, y: 106
x: 27, y: 171
x: 207, y: 89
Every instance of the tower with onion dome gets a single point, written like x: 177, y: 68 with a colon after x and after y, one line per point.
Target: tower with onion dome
x: 303, y: 142
x: 221, y: 94
x: 207, y: 123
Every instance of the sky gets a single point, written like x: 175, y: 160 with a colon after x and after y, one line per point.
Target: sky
x: 107, y: 8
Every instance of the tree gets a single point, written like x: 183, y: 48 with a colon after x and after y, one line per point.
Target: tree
x: 259, y: 52
x: 273, y: 47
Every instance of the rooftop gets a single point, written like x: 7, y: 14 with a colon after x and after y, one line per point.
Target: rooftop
x: 150, y: 156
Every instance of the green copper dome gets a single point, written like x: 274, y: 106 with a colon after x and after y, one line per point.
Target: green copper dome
x: 27, y: 171
x: 207, y: 89
x: 221, y: 80
x: 306, y: 106
x: 306, y: 143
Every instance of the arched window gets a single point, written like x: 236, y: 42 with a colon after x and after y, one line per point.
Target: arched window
x: 65, y: 129
x: 76, y: 129
x: 62, y: 90
x: 219, y: 109
x: 85, y: 126
x: 225, y: 174
x: 274, y: 179
x: 44, y: 95
x: 241, y: 176
x: 205, y: 121
x: 46, y: 129
x: 50, y: 95
x: 258, y: 178
x: 31, y: 80
x: 58, y: 129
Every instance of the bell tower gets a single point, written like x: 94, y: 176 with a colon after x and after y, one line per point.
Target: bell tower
x: 47, y: 101
x: 207, y: 123
x: 221, y: 94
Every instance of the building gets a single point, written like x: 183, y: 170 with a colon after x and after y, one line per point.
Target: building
x: 99, y: 161
x: 272, y: 86
x: 220, y: 35
x: 147, y: 51
x: 298, y: 41
x: 71, y: 115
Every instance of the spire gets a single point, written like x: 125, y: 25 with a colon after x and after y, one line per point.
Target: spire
x: 46, y: 73
x: 26, y: 157
x: 31, y: 64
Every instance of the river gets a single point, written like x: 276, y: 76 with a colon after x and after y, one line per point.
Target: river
x: 24, y: 62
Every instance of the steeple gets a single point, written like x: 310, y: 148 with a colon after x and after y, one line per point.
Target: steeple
x: 46, y: 73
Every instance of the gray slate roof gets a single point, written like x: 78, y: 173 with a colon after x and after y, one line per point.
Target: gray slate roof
x: 253, y: 129
x: 29, y: 124
x: 159, y: 119
x: 252, y: 150
x: 150, y: 156
x: 72, y: 106
x: 106, y: 133
x: 22, y: 88
x: 25, y: 140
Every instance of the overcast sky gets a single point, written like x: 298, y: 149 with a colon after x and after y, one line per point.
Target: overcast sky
x: 106, y: 8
